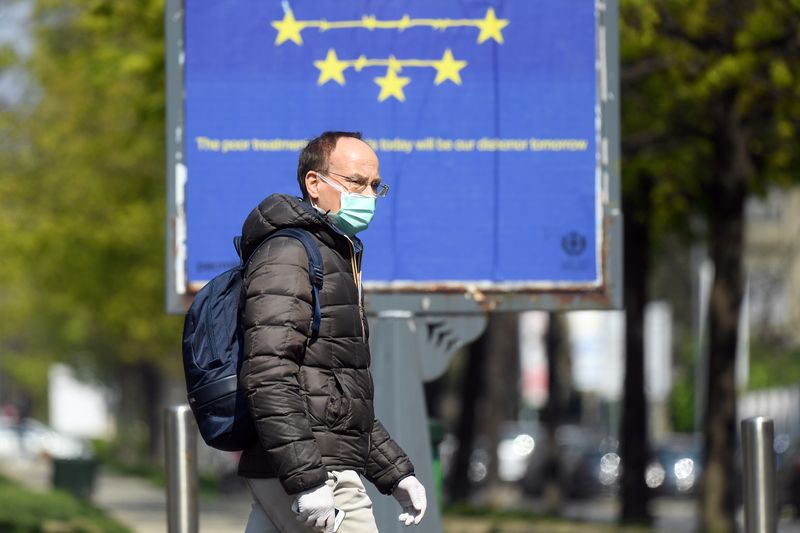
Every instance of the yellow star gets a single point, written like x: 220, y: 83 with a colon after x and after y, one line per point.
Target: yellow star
x: 404, y: 23
x: 448, y: 68
x: 369, y: 21
x: 490, y: 27
x: 288, y: 29
x: 394, y: 64
x: 331, y: 69
x: 392, y: 85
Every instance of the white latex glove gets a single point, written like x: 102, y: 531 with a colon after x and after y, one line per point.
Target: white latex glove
x: 315, y: 508
x: 411, y: 495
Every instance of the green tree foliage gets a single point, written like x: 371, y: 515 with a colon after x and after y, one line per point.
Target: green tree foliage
x: 680, y: 58
x: 711, y: 106
x: 773, y: 367
x: 82, y: 192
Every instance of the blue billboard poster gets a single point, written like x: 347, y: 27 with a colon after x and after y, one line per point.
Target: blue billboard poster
x: 485, y: 116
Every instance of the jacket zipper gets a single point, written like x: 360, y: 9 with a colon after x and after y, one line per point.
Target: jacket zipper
x: 357, y: 280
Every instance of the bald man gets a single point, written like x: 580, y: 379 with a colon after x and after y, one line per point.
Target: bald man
x: 311, y: 396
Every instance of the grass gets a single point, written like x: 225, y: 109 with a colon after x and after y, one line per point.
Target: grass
x: 24, y: 511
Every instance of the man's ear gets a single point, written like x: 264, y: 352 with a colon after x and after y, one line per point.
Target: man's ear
x: 312, y: 183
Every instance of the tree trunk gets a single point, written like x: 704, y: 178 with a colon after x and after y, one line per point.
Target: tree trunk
x: 129, y: 419
x: 633, y: 432
x: 502, y: 394
x: 731, y: 169
x: 490, y: 393
x: 140, y: 417
x: 458, y: 483
x: 552, y: 414
x: 152, y: 385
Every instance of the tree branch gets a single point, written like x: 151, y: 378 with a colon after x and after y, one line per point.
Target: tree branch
x: 644, y: 68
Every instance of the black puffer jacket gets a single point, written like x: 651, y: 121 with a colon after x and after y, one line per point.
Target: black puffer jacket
x: 311, y: 398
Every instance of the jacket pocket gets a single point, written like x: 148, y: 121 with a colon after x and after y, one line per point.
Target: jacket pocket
x: 337, y: 411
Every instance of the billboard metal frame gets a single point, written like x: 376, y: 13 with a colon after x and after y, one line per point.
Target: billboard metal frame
x: 440, y: 298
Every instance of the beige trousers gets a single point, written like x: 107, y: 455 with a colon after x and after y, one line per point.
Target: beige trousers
x: 272, y: 513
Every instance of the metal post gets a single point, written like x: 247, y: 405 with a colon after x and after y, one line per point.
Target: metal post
x: 400, y: 406
x: 181, y: 463
x: 406, y: 352
x: 760, y: 507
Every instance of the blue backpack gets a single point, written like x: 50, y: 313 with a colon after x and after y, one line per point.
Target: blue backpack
x: 212, y: 349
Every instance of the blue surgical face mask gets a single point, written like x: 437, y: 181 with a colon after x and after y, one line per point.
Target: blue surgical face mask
x: 355, y: 210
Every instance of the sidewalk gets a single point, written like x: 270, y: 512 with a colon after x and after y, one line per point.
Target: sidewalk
x: 141, y: 506
x: 136, y: 503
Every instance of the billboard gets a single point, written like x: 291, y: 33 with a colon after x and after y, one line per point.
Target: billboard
x: 487, y: 118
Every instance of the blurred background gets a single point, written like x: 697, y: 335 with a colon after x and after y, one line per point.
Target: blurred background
x: 624, y: 416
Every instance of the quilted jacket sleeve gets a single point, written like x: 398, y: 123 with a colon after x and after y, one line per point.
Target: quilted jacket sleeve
x: 387, y: 463
x: 276, y: 322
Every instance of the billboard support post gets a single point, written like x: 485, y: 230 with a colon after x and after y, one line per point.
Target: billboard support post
x: 175, y: 282
x: 408, y: 350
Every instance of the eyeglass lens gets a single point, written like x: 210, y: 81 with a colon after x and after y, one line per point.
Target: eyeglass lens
x: 359, y: 186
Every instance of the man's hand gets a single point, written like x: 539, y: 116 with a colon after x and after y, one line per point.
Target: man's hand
x: 315, y: 508
x: 411, y: 495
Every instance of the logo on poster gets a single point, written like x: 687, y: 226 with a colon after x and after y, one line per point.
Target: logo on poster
x: 573, y: 243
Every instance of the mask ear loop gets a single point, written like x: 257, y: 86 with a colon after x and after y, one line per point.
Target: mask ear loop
x: 336, y: 187
x: 311, y: 200
x: 319, y: 209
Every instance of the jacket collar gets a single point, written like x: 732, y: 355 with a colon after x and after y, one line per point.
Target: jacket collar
x: 279, y: 211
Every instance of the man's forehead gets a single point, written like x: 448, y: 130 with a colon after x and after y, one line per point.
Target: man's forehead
x: 353, y: 151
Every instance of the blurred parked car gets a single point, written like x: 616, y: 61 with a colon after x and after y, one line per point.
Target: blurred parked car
x: 592, y: 467
x: 596, y: 472
x: 572, y: 443
x: 517, y: 444
x: 676, y: 467
x: 32, y: 438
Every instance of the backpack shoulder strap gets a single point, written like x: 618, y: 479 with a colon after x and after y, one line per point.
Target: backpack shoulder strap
x: 316, y: 269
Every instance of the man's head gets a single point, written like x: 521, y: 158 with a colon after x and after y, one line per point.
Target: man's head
x: 340, y: 157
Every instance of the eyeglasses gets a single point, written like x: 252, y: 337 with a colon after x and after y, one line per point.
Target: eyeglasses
x: 359, y: 185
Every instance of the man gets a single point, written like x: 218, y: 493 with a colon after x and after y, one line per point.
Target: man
x: 312, y: 396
